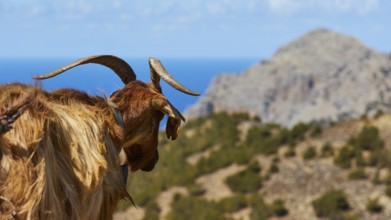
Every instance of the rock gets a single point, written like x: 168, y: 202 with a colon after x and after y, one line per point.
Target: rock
x: 165, y: 198
x: 322, y: 76
x: 131, y: 213
x: 214, y: 184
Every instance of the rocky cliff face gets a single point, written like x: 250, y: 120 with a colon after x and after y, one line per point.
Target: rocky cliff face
x: 321, y: 76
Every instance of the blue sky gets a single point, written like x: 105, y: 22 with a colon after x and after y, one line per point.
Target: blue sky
x: 179, y: 28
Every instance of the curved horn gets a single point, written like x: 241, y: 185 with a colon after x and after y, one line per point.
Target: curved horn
x: 119, y: 66
x: 158, y: 71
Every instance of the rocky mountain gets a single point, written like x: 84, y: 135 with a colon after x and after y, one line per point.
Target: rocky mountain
x: 322, y: 76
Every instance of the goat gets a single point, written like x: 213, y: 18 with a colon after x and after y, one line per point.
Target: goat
x: 62, y: 158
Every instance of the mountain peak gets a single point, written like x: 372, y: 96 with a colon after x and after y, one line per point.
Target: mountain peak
x: 323, y: 45
x: 321, y: 76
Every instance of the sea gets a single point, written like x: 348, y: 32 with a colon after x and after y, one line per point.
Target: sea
x: 195, y: 73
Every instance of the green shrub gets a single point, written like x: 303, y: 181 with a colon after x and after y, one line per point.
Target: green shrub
x: 246, y: 181
x: 292, y: 143
x: 278, y: 208
x: 375, y: 158
x: 233, y: 204
x: 344, y: 157
x: 224, y: 157
x: 330, y: 203
x: 352, y: 141
x: 228, y: 135
x: 385, y: 158
x: 380, y: 158
x: 268, y: 146
x: 254, y: 167
x: 275, y: 159
x: 378, y: 114
x: 260, y: 210
x: 376, y: 178
x: 144, y: 187
x: 273, y: 168
x: 257, y: 119
x: 373, y: 206
x: 262, y: 139
x: 219, y: 126
x: 152, y: 211
x: 316, y: 130
x: 258, y: 133
x: 290, y: 152
x: 327, y: 150
x: 388, y: 190
x: 283, y: 136
x: 217, y: 160
x: 369, y: 139
x: 298, y: 131
x: 310, y: 153
x: 196, y: 189
x: 360, y: 161
x: 184, y: 207
x: 358, y: 174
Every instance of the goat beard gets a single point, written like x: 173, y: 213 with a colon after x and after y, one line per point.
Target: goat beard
x: 138, y: 159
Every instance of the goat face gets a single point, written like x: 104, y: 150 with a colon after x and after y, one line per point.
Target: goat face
x: 141, y: 116
x: 142, y: 106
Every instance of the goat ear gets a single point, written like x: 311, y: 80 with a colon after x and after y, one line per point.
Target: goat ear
x: 174, y: 117
x: 172, y: 128
x: 167, y: 108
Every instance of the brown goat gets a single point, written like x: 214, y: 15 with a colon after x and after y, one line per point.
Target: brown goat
x: 62, y: 158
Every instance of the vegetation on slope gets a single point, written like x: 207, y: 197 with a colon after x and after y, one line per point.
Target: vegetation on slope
x: 366, y: 149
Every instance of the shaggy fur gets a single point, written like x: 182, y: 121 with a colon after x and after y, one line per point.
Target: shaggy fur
x: 60, y: 161
x: 61, y: 151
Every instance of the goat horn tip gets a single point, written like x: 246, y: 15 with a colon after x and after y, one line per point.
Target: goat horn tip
x: 195, y: 93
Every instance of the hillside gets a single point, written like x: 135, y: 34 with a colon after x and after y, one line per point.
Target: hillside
x: 232, y: 166
x: 322, y: 76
